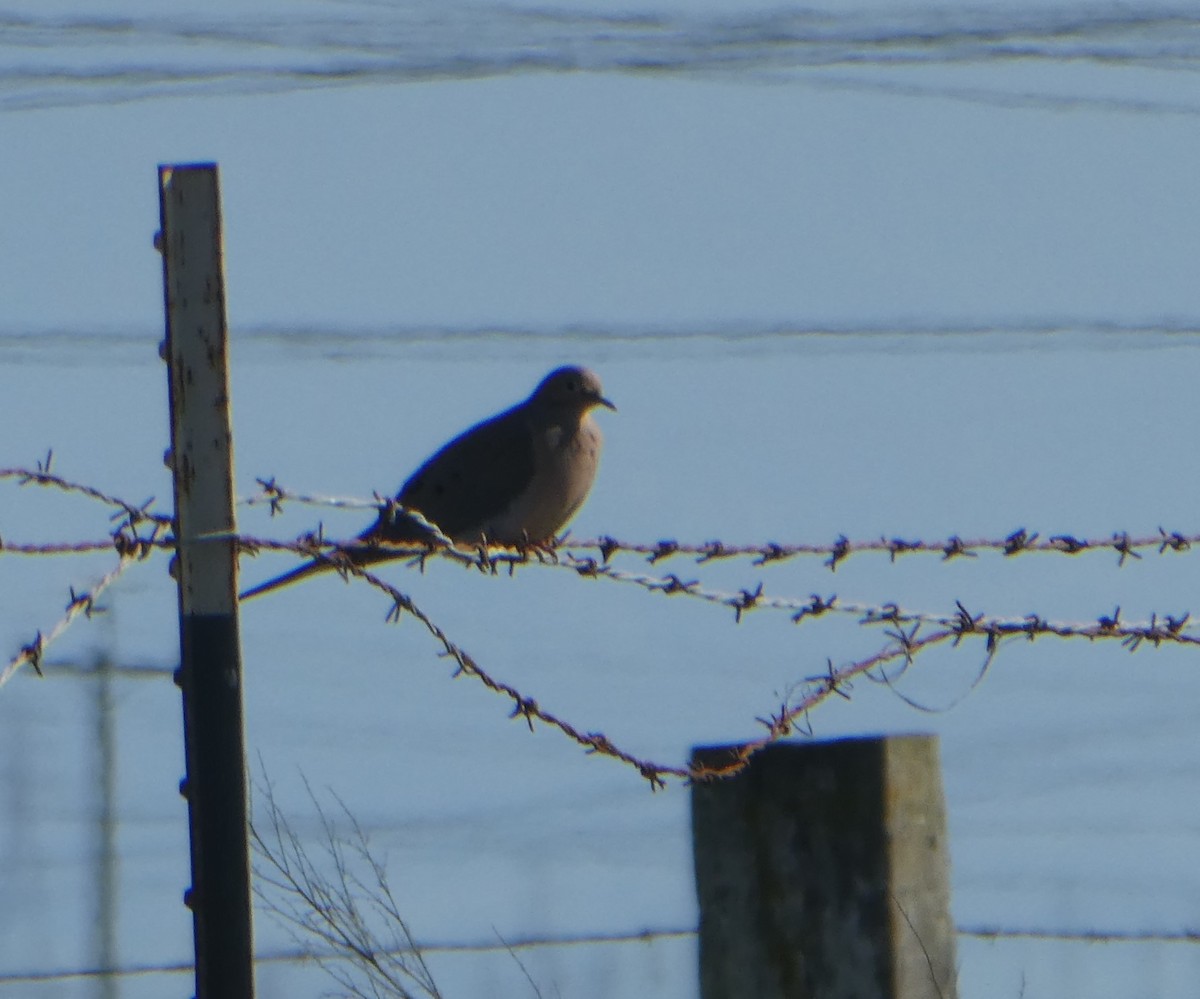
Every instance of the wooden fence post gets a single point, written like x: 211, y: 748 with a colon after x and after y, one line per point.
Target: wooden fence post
x: 210, y: 674
x: 822, y: 872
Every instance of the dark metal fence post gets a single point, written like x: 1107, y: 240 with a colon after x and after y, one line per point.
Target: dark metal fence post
x: 822, y: 872
x: 211, y: 671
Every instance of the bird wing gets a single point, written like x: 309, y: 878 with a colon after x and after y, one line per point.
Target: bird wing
x: 464, y: 487
x: 470, y: 481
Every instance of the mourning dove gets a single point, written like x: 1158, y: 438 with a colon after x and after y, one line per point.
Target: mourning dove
x: 512, y: 480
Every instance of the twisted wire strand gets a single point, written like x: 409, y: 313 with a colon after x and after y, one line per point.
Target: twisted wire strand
x: 41, y: 475
x: 908, y: 633
x: 80, y: 604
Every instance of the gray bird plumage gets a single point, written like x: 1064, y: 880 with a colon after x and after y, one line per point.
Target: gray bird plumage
x: 516, y: 478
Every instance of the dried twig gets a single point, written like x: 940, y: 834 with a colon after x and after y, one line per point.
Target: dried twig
x: 342, y: 901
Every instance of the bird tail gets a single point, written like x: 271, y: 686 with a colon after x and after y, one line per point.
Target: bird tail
x: 300, y: 572
x: 397, y: 532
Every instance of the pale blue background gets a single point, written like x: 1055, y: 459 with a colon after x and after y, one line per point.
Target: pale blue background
x: 916, y: 272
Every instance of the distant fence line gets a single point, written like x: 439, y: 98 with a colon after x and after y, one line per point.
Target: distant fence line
x: 300, y: 955
x: 139, y: 530
x: 778, y: 45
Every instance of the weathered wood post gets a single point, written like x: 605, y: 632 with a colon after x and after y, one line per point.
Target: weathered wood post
x: 210, y: 674
x: 822, y: 872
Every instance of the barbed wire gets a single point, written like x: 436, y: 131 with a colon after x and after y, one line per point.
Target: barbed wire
x: 41, y: 475
x: 129, y: 539
x: 75, y: 547
x: 907, y: 632
x: 83, y: 603
x: 1168, y: 628
x: 903, y: 643
x: 1020, y: 541
x: 273, y: 495
x: 1156, y: 630
x: 522, y: 706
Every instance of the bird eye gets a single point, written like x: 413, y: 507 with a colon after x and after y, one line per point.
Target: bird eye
x: 571, y: 386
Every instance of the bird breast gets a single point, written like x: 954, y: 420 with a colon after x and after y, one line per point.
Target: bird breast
x: 566, y: 458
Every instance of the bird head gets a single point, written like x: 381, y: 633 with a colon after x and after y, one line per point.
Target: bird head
x: 572, y: 387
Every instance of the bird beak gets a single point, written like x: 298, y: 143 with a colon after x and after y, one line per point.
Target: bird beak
x: 601, y: 401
